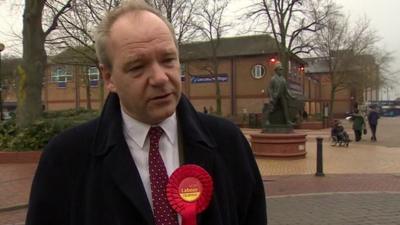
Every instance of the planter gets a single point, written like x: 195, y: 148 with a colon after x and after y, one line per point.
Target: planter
x: 279, y: 145
x: 20, y: 157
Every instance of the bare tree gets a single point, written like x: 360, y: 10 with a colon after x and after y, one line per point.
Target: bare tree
x: 348, y: 51
x: 291, y: 23
x: 181, y: 14
x: 76, y: 30
x: 76, y: 33
x: 384, y: 73
x: 211, y: 25
x: 34, y: 57
x: 77, y: 26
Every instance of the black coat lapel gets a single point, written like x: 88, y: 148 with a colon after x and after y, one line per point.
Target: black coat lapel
x: 110, y: 144
x: 198, y: 146
x: 120, y: 164
x: 197, y: 153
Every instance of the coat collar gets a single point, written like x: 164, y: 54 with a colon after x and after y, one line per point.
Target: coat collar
x: 198, y: 145
x: 109, y: 129
x: 189, y: 120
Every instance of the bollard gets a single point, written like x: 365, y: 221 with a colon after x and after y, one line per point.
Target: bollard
x: 320, y: 170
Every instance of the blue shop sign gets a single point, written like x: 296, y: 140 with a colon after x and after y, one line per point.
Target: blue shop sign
x: 201, y: 79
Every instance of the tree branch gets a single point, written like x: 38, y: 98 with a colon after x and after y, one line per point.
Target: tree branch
x: 56, y: 17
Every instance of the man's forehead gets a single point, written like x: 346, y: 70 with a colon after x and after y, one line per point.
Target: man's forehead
x: 160, y: 50
x: 140, y: 25
x: 138, y: 19
x: 138, y: 28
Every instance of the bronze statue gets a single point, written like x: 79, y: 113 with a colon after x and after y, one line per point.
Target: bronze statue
x: 283, y: 106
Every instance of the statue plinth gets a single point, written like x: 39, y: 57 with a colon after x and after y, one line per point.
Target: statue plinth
x: 279, y: 144
x: 277, y: 138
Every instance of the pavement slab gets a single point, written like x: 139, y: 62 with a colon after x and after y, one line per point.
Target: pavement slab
x: 15, y: 184
x: 335, y: 209
x: 14, y: 217
x: 331, y: 183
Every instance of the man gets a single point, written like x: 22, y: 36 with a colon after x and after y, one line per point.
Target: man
x: 279, y: 94
x: 373, y: 117
x: 358, y: 124
x: 100, y: 173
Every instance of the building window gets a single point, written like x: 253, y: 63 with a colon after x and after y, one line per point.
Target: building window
x: 258, y: 71
x: 94, y: 75
x: 61, y: 74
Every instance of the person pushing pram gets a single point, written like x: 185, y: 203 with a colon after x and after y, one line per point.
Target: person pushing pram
x: 338, y: 135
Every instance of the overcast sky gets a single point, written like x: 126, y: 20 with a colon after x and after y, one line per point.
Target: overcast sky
x: 384, y: 16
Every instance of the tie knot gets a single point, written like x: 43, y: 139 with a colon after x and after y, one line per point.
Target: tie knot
x: 155, y: 133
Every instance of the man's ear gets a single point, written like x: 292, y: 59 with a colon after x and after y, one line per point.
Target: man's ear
x: 107, y: 78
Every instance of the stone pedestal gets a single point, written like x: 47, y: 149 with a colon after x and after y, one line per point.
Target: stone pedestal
x: 279, y: 144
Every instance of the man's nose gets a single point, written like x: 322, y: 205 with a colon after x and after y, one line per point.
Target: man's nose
x: 158, y: 74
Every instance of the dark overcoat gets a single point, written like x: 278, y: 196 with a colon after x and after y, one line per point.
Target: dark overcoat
x: 373, y: 117
x: 86, y: 175
x: 358, y: 121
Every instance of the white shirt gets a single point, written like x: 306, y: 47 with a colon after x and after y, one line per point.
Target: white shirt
x: 135, y: 133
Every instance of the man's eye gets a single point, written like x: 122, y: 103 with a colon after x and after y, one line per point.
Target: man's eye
x: 135, y: 68
x: 170, y: 60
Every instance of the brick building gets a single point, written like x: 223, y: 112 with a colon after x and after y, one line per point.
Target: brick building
x: 72, y: 81
x: 353, y: 94
x: 245, y: 69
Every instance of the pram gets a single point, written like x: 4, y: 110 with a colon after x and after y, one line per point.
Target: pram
x: 339, y: 136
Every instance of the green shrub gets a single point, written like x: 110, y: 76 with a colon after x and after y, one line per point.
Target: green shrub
x: 36, y: 136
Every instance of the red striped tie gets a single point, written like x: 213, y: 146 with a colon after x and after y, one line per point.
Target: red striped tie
x: 163, y: 213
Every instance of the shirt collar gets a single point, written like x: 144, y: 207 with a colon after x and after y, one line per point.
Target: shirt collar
x: 138, y: 130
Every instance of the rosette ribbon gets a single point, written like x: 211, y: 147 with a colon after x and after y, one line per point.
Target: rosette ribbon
x: 189, y: 192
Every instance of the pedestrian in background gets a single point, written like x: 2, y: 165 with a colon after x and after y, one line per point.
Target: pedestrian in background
x: 305, y: 115
x: 205, y: 111
x: 358, y: 124
x: 373, y: 117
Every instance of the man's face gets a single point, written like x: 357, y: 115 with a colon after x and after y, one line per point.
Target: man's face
x: 145, y: 67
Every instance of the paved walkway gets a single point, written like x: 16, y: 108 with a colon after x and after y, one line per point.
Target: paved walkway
x: 15, y: 183
x: 339, y: 199
x: 361, y: 183
x: 359, y: 158
x: 335, y: 209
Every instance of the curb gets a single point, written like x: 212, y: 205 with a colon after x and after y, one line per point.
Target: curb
x: 14, y: 207
x: 333, y: 193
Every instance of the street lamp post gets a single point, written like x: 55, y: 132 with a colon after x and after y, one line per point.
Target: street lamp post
x: 1, y: 86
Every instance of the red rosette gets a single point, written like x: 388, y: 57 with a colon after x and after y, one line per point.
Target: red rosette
x: 189, y: 192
